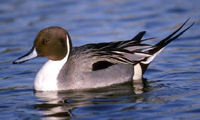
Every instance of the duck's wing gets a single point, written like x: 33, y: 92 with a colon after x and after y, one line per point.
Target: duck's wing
x: 116, y: 52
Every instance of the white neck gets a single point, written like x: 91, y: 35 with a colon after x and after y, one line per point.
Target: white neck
x: 46, y: 78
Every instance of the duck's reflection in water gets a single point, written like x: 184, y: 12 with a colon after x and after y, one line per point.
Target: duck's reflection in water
x: 61, y: 105
x: 140, y: 86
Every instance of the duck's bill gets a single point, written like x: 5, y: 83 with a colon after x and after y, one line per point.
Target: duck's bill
x: 30, y: 55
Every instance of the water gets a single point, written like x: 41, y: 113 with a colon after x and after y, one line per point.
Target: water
x: 170, y: 90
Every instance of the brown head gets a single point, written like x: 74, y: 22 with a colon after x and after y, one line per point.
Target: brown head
x: 51, y: 42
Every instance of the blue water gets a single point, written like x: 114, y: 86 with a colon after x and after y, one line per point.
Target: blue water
x: 170, y: 90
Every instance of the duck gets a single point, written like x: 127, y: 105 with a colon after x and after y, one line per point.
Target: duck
x: 92, y: 65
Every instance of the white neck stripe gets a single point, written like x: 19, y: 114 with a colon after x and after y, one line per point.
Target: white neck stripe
x: 68, y: 46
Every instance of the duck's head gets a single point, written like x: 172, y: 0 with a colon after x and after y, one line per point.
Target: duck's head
x: 51, y: 42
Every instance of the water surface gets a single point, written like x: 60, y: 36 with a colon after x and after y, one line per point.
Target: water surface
x: 170, y: 90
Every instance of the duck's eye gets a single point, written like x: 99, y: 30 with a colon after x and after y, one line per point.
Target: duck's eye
x: 46, y: 40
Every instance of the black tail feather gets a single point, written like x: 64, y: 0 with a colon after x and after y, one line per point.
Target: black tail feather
x: 156, y: 49
x: 169, y: 38
x: 139, y: 36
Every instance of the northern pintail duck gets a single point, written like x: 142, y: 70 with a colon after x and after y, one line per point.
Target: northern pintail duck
x: 91, y: 65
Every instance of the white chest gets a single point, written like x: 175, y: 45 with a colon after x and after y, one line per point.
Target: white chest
x: 46, y: 78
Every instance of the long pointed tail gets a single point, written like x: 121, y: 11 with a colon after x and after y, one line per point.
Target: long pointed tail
x: 156, y: 49
x: 169, y: 39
